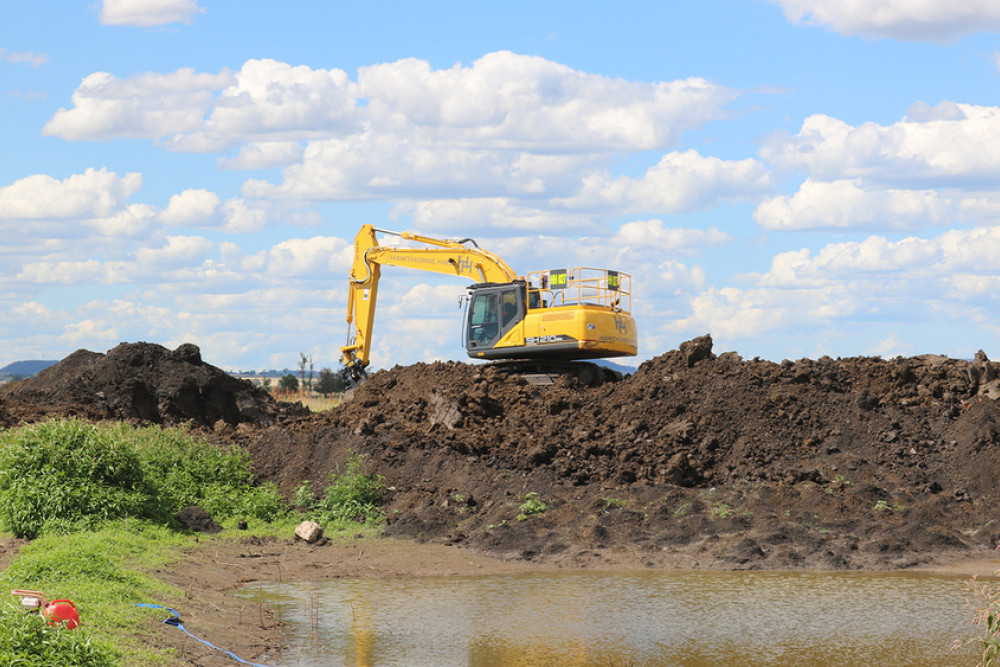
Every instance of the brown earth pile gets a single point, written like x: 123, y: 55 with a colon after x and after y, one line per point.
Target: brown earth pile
x: 141, y: 382
x: 695, y: 460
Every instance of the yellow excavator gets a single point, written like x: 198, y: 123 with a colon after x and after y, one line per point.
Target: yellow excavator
x: 539, y: 325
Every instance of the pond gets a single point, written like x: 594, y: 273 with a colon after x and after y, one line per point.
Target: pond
x: 612, y: 619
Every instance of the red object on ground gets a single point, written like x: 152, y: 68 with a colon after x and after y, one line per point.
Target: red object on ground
x: 56, y: 612
x: 59, y: 611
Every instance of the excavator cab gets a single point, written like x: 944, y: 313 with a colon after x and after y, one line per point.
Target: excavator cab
x: 493, y: 310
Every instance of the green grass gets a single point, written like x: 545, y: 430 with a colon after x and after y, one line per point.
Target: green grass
x: 27, y: 640
x: 102, y: 572
x: 98, y: 502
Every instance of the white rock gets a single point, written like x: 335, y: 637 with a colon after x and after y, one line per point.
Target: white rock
x: 310, y: 531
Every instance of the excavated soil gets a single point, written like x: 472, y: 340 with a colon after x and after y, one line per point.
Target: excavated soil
x: 142, y: 383
x: 697, y: 460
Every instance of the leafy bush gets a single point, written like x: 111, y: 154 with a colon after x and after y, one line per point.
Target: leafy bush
x: 303, y: 495
x: 184, y: 471
x: 26, y: 639
x: 63, y: 475
x: 67, y: 470
x: 352, y: 496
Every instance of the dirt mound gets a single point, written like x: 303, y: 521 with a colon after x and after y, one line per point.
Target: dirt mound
x: 141, y: 382
x: 697, y: 459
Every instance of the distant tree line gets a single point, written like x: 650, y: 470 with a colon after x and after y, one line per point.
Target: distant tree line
x: 326, y: 383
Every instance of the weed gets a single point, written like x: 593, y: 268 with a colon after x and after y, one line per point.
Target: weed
x: 352, y: 496
x: 26, y: 639
x: 303, y: 495
x: 683, y: 509
x: 532, y: 505
x: 884, y: 506
x: 722, y: 510
x: 987, y: 619
x: 98, y: 571
x: 610, y: 503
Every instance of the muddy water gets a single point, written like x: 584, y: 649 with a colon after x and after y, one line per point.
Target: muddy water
x: 595, y: 619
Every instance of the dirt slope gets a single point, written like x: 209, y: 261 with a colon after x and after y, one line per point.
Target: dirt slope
x: 697, y: 460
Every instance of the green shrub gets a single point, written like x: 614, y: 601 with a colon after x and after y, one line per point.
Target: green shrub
x: 59, y: 476
x: 303, y: 495
x: 68, y: 470
x: 352, y: 496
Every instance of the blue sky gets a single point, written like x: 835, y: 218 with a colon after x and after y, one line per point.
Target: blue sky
x: 796, y: 177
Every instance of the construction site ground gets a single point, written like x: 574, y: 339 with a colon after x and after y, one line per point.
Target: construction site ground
x: 698, y: 460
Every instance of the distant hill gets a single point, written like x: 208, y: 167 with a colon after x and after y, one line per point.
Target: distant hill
x: 621, y: 368
x: 27, y: 368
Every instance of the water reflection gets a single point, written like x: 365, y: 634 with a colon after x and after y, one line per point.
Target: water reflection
x: 591, y: 619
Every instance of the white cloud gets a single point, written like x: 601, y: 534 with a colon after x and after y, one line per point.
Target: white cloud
x: 243, y: 217
x: 379, y: 165
x: 192, y: 207
x: 67, y: 272
x: 95, y: 193
x: 845, y: 204
x: 132, y: 221
x: 148, y: 106
x: 262, y: 155
x: 179, y: 251
x: 507, y: 125
x: 268, y: 97
x: 851, y: 260
x: 919, y: 20
x: 89, y: 330
x: 940, y: 145
x: 677, y: 278
x: 656, y: 236
x: 957, y: 266
x: 422, y: 299
x: 681, y: 181
x: 889, y: 347
x: 30, y: 57
x: 733, y: 313
x: 148, y: 13
x: 303, y: 257
x: 510, y: 100
x: 487, y: 215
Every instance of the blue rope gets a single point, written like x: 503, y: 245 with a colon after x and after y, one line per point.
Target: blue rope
x: 175, y: 621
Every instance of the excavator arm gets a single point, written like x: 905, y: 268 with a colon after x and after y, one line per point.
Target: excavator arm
x: 454, y: 258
